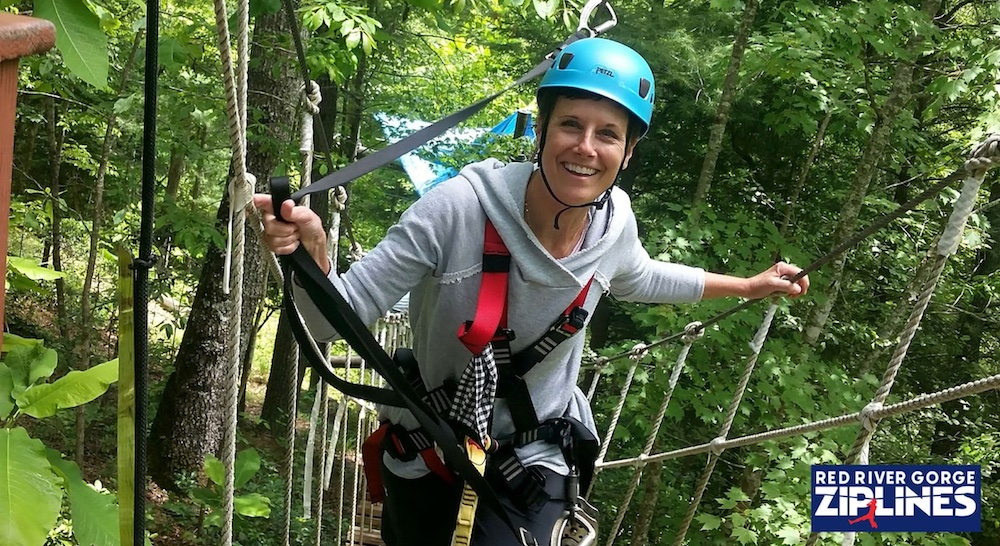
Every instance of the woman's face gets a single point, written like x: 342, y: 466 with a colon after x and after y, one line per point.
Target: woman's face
x: 585, y: 144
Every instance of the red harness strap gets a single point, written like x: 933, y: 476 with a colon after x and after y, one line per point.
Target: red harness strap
x: 491, y: 310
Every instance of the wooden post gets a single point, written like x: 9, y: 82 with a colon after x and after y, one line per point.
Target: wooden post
x: 19, y: 36
x: 126, y: 400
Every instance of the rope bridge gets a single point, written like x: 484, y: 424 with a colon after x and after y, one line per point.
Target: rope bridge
x: 393, y: 331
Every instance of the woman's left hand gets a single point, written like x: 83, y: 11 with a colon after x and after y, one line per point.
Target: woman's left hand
x: 775, y: 280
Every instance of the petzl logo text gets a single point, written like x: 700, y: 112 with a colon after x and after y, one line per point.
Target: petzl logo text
x: 892, y: 498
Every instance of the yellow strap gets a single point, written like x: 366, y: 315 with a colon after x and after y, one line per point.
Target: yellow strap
x: 470, y: 501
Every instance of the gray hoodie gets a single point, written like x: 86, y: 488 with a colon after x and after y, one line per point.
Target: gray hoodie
x: 435, y: 253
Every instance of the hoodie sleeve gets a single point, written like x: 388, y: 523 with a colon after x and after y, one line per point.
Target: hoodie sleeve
x: 643, y: 279
x: 410, y: 251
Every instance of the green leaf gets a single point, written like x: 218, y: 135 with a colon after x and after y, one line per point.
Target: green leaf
x: 13, y: 340
x: 744, y: 535
x: 95, y: 514
x: 19, y: 360
x: 545, y: 8
x: 247, y: 465
x: 6, y: 391
x: 29, y: 268
x: 353, y: 39
x: 75, y: 388
x: 708, y: 522
x: 79, y: 37
x: 206, y: 496
x: 30, y: 495
x: 214, y: 470
x: 124, y: 104
x: 252, y: 505
x: 789, y: 535
x: 43, y: 366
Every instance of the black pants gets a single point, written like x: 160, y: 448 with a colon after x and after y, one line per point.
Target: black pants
x: 422, y: 512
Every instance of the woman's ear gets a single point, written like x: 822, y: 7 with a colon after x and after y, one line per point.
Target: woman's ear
x: 629, y: 148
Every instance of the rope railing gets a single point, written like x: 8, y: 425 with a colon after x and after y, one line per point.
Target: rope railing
x: 913, y: 404
x: 875, y: 226
x: 695, y: 332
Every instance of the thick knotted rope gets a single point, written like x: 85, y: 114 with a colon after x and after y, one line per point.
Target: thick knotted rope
x: 694, y: 331
x: 240, y: 195
x: 983, y: 157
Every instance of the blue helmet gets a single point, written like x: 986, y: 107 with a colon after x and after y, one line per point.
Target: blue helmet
x: 606, y: 68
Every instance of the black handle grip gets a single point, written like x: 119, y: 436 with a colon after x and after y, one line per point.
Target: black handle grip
x: 280, y: 192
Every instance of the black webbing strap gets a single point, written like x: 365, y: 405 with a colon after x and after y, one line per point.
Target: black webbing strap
x: 413, y: 141
x: 348, y: 324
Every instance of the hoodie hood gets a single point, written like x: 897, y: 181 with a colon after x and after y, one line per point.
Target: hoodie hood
x: 501, y: 189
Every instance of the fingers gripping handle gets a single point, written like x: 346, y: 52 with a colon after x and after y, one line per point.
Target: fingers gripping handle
x: 280, y: 192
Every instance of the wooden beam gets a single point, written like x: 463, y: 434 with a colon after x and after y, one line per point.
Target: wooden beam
x: 19, y: 36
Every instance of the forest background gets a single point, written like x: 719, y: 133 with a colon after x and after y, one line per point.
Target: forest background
x: 780, y: 128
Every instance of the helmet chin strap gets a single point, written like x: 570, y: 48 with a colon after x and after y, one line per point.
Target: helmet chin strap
x: 598, y: 204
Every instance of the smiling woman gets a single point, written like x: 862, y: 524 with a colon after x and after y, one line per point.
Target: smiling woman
x: 526, y: 249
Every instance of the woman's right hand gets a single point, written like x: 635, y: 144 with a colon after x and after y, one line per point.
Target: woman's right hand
x: 301, y: 226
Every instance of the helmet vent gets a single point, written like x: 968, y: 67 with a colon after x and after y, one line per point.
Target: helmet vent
x: 644, y: 87
x: 565, y: 60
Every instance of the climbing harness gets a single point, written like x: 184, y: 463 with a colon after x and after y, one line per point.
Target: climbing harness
x: 343, y: 318
x: 494, y: 372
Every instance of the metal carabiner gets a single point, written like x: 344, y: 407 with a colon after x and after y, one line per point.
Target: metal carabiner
x: 588, y: 11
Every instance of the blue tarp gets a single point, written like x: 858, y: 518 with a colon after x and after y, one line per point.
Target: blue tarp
x: 426, y: 174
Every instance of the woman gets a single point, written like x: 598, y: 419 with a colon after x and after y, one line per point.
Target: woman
x: 571, y: 236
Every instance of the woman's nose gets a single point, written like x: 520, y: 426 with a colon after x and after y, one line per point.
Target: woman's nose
x: 585, y: 144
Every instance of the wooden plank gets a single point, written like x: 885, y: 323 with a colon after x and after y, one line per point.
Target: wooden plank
x: 19, y: 36
x: 8, y: 104
x: 126, y: 399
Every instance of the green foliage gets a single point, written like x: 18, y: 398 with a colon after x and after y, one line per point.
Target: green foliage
x: 29, y: 492
x: 94, y: 511
x: 250, y: 505
x: 73, y: 389
x: 79, y: 37
x: 33, y: 478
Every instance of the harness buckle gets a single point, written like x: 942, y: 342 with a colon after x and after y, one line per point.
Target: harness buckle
x: 572, y: 322
x: 588, y: 11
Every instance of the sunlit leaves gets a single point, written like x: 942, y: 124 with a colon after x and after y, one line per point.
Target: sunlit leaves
x: 79, y: 37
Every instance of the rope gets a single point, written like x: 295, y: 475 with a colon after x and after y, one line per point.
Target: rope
x: 989, y: 147
x: 917, y: 403
x: 636, y: 354
x: 292, y: 384
x: 694, y: 332
x: 976, y: 168
x: 716, y: 445
x: 240, y: 195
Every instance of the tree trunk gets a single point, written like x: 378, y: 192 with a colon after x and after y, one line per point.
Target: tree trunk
x: 725, y: 104
x: 277, y: 396
x: 188, y: 423
x: 176, y: 170
x: 56, y: 137
x: 86, y: 315
x: 274, y: 410
x: 899, y: 94
x: 793, y: 193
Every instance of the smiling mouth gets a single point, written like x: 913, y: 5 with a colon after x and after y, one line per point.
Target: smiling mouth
x: 579, y: 170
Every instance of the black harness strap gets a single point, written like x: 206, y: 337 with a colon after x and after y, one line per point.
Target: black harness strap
x: 348, y: 324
